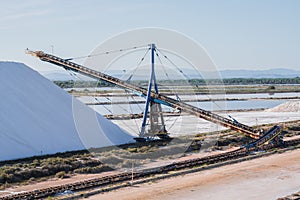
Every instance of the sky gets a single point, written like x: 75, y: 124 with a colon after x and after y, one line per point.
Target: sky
x: 248, y: 34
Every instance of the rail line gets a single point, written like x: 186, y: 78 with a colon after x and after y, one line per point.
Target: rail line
x: 126, y: 176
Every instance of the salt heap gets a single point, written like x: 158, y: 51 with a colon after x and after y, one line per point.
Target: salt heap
x: 37, y: 117
x: 290, y: 106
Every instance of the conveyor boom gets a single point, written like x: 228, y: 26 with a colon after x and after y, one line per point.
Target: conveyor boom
x: 158, y: 98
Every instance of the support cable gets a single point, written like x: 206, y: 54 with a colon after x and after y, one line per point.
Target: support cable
x: 186, y: 76
x: 97, y: 100
x: 106, y: 52
x: 73, y: 74
x: 129, y: 79
x: 138, y: 65
x: 167, y: 75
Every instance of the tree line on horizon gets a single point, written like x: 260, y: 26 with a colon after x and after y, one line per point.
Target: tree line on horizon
x: 229, y: 81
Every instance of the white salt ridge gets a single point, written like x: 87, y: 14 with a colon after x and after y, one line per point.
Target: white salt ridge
x: 290, y: 106
x: 37, y: 117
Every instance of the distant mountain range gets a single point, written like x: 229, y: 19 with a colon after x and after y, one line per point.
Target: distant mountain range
x: 270, y: 73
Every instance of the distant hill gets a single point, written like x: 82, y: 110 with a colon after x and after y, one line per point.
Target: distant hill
x: 270, y: 73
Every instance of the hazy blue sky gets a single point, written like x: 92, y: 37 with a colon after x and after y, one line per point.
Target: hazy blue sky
x: 238, y: 34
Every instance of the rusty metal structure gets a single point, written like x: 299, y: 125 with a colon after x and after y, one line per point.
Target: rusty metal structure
x: 153, y: 96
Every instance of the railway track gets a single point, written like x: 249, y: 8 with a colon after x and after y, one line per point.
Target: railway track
x: 126, y: 176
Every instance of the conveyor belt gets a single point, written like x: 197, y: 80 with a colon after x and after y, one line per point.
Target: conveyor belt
x: 158, y: 98
x: 268, y: 136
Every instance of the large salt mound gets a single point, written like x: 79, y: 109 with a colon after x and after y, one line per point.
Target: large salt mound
x: 290, y: 106
x: 37, y: 117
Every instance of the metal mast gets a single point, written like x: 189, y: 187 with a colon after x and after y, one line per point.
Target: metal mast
x: 157, y: 125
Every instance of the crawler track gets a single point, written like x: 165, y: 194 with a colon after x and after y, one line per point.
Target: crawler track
x: 126, y: 176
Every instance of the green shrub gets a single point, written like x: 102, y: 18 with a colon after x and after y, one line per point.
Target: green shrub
x: 89, y: 170
x: 271, y: 87
x: 60, y: 174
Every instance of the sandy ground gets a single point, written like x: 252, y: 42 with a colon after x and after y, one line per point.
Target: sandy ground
x: 51, y: 182
x: 80, y: 177
x: 264, y: 178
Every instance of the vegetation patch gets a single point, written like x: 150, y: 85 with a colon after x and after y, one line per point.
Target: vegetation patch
x: 63, y: 165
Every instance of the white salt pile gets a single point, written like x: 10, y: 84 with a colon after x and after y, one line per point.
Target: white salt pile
x: 290, y: 106
x: 37, y: 117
